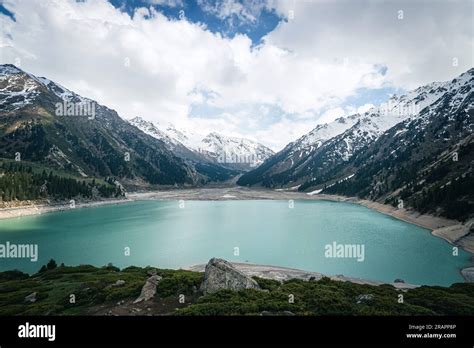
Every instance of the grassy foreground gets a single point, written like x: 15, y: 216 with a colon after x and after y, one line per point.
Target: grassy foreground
x: 96, y: 291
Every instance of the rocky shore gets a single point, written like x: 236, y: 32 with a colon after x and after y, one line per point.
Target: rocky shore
x: 38, y: 208
x: 283, y: 274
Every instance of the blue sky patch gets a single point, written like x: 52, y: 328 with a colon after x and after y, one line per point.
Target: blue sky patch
x: 4, y: 11
x: 206, y: 11
x: 373, y: 96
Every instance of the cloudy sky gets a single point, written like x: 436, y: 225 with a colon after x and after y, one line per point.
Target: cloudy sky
x: 262, y: 69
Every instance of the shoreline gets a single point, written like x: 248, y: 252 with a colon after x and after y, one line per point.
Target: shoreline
x: 282, y: 274
x: 42, y: 208
x: 452, y: 231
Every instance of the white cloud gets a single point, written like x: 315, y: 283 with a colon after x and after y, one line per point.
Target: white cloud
x: 283, y: 132
x: 417, y: 49
x: 157, y: 68
x: 168, y: 3
x: 334, y: 113
x: 246, y: 11
x: 364, y: 108
x: 331, y: 114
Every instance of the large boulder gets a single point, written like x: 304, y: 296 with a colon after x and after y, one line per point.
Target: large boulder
x: 220, y: 274
x: 31, y: 298
x: 149, y: 289
x: 118, y: 283
x: 468, y: 274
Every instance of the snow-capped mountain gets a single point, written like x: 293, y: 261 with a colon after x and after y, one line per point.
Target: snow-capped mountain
x: 373, y: 123
x: 327, y: 146
x: 424, y: 162
x: 357, y: 130
x: 150, y: 129
x: 16, y: 90
x: 46, y: 124
x: 19, y: 89
x: 35, y: 121
x: 233, y: 152
x: 323, y: 132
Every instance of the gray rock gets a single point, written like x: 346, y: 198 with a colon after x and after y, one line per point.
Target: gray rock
x: 31, y: 298
x: 468, y: 274
x: 398, y: 280
x: 220, y: 274
x: 364, y: 298
x: 119, y: 282
x: 149, y: 289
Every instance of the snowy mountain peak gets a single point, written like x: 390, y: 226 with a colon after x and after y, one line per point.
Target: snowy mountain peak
x: 378, y: 119
x: 235, y: 150
x: 323, y: 132
x: 372, y: 124
x: 224, y: 149
x: 332, y: 144
x: 151, y: 129
x: 213, y: 137
x: 56, y: 88
x: 8, y: 69
x: 19, y: 88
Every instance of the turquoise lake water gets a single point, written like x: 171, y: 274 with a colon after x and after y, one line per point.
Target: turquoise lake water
x: 161, y: 234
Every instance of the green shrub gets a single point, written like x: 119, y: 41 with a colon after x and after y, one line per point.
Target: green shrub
x: 178, y: 282
x: 94, y: 286
x: 13, y: 275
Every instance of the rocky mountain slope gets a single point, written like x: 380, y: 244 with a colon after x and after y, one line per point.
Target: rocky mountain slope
x: 171, y: 137
x: 228, y: 152
x: 414, y: 148
x: 43, y: 122
x: 238, y: 152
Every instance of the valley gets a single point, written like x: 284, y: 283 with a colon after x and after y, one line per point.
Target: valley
x: 410, y: 158
x: 238, y: 171
x: 414, y: 151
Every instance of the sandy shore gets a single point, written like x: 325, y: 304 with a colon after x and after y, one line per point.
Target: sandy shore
x: 38, y: 209
x: 452, y: 231
x: 283, y: 274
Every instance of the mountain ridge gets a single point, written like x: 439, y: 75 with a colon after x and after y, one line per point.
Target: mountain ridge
x: 334, y: 165
x: 232, y: 152
x: 99, y: 144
